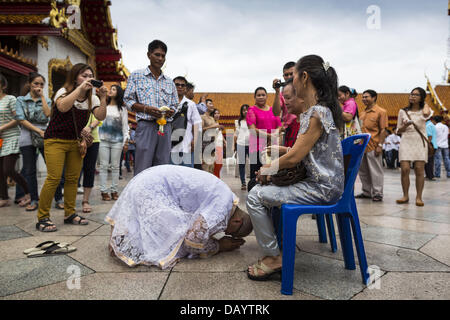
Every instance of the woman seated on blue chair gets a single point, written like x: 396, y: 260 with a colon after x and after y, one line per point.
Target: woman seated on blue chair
x: 319, y: 147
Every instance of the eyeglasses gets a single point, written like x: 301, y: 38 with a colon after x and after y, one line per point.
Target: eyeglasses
x: 415, y: 94
x: 182, y: 85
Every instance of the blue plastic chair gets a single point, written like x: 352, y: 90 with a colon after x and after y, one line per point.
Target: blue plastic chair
x: 346, y: 214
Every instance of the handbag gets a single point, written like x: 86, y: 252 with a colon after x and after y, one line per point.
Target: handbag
x: 289, y: 176
x: 424, y: 139
x: 36, y: 140
x: 85, y: 141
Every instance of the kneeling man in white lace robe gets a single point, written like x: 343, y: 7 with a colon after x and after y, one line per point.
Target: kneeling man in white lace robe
x: 170, y: 212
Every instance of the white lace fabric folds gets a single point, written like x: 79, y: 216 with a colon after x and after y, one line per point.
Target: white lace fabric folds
x: 169, y: 212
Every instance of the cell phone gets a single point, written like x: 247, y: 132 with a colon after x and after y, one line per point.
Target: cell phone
x: 97, y: 83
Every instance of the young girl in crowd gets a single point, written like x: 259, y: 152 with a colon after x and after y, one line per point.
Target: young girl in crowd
x: 346, y: 97
x: 241, y: 140
x: 72, y: 106
x: 89, y: 162
x: 113, y: 137
x: 318, y: 146
x: 9, y: 150
x: 220, y: 144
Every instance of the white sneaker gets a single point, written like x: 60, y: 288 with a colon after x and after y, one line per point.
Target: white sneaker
x: 80, y: 190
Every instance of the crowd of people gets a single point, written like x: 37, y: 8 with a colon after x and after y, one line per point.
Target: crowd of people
x: 178, y: 147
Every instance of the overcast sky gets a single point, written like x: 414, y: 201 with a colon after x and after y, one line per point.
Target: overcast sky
x: 236, y: 46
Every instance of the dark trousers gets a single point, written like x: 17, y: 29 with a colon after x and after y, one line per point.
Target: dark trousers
x: 8, y: 169
x: 130, y: 154
x: 255, y: 164
x: 29, y: 172
x: 242, y: 153
x: 392, y: 159
x: 429, y: 168
x: 89, y: 162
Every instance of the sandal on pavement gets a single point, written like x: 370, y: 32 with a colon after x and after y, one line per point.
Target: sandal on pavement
x: 24, y: 202
x: 402, y: 201
x: 59, y: 206
x: 114, y: 195
x: 87, y: 209
x: 32, y: 207
x: 71, y: 220
x: 419, y: 203
x: 362, y: 196
x: 106, y: 197
x: 40, y: 246
x: 57, y: 248
x: 43, y: 225
x: 4, y: 203
x: 268, y: 272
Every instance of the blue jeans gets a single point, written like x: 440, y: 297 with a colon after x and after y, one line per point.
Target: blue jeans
x: 29, y: 172
x: 242, y: 154
x: 127, y: 159
x: 441, y: 153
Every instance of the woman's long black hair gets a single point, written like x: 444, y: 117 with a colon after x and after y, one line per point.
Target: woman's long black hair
x: 423, y: 96
x: 118, y: 98
x: 325, y: 82
x: 241, y: 113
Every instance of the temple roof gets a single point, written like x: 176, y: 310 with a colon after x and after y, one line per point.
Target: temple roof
x: 97, y: 37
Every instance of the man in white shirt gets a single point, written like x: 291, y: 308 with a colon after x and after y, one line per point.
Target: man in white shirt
x: 442, y: 151
x: 392, y: 143
x: 183, y: 152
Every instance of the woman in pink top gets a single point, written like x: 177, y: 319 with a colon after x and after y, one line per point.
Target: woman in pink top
x: 263, y: 126
x: 346, y: 97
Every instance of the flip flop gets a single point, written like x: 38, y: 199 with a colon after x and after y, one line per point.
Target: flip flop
x: 268, y: 272
x: 41, y: 246
x: 57, y: 248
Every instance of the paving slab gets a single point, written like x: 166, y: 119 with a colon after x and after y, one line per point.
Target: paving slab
x: 396, y: 237
x: 13, y: 249
x: 326, y: 278
x: 434, y: 214
x: 93, y: 252
x: 101, y: 286
x: 57, y: 218
x: 439, y: 249
x: 12, y: 232
x: 386, y: 257
x: 224, y: 286
x: 27, y: 274
x: 407, y: 224
x: 409, y: 286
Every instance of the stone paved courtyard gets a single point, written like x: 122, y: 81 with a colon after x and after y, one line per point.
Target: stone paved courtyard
x: 410, y: 246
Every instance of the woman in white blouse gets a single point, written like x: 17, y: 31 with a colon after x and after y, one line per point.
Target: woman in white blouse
x: 241, y: 138
x: 113, y: 137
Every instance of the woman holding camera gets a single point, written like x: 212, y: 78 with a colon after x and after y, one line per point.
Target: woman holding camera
x: 65, y: 144
x: 411, y: 125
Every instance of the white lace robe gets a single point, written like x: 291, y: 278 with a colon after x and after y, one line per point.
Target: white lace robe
x: 169, y: 212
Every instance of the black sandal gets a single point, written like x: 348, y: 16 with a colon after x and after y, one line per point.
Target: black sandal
x: 70, y: 220
x: 44, y: 224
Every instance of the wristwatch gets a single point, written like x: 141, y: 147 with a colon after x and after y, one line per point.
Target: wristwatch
x: 380, y: 145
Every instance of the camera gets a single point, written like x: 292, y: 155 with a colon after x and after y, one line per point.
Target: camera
x: 280, y: 84
x: 97, y: 83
